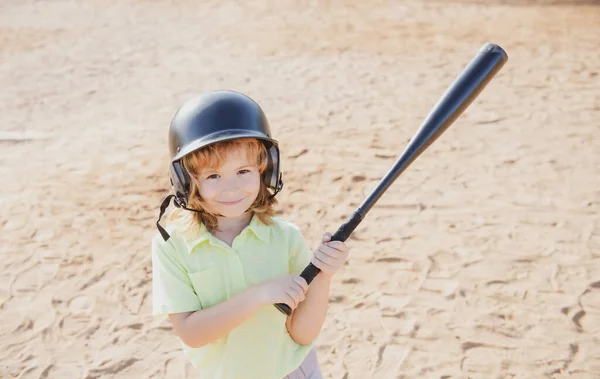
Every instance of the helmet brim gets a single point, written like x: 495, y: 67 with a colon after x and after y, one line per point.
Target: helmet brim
x: 225, y: 135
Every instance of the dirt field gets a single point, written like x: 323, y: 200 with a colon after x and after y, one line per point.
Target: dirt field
x: 482, y: 261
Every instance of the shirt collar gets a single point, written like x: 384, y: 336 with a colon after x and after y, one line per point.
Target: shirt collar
x: 197, y: 238
x: 260, y: 230
x: 256, y: 227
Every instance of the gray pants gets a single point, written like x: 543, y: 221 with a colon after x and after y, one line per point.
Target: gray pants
x: 309, y: 368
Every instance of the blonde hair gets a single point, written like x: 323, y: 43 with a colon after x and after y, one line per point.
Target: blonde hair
x: 213, y: 156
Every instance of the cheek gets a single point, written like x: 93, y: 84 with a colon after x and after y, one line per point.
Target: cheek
x: 252, y: 183
x: 207, y: 191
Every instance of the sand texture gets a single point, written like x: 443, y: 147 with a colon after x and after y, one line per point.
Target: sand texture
x: 481, y: 261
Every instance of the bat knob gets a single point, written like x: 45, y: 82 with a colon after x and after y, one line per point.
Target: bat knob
x: 283, y: 308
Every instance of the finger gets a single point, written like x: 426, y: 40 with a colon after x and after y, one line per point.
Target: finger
x: 302, y: 282
x: 333, y: 256
x: 297, y: 294
x: 323, y: 266
x: 328, y: 249
x: 327, y: 237
x: 298, y: 287
x: 291, y: 301
x: 337, y: 245
x: 328, y: 255
x: 324, y: 257
x: 328, y: 265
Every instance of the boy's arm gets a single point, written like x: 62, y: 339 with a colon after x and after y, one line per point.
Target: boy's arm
x: 201, y: 327
x: 306, y: 321
x: 207, y: 325
x: 304, y: 325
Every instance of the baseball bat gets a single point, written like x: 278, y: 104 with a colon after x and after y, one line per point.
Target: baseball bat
x: 461, y: 93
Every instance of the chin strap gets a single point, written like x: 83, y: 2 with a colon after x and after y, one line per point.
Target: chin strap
x: 163, y: 208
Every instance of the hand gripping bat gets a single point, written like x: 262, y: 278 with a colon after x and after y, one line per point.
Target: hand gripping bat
x: 461, y: 93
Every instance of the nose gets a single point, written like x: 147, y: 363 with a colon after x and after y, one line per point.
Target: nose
x: 230, y: 185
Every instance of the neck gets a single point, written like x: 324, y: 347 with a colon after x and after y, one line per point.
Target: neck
x: 234, y: 224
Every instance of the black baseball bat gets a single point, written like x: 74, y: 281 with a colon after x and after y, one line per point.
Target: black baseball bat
x: 461, y: 93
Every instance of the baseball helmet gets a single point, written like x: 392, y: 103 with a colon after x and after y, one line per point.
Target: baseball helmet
x: 213, y: 117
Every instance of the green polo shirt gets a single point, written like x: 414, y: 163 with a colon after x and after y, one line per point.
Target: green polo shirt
x: 191, y: 272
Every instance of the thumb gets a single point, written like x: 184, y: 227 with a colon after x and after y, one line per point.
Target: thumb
x: 326, y: 237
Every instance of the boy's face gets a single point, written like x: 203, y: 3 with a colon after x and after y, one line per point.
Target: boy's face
x: 231, y: 189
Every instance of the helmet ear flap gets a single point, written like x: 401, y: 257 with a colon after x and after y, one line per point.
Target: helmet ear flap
x: 272, y: 173
x: 180, y: 181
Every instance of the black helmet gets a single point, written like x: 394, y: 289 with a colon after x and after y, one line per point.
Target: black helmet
x: 212, y: 117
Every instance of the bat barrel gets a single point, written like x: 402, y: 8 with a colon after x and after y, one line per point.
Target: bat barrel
x: 461, y: 93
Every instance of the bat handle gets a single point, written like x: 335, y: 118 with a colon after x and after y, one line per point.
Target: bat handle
x: 311, y: 271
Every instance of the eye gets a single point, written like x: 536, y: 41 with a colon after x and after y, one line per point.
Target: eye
x: 213, y: 176
x: 244, y: 171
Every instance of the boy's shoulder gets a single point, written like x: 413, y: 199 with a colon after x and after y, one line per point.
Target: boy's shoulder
x: 178, y: 233
x: 284, y: 225
x: 159, y: 242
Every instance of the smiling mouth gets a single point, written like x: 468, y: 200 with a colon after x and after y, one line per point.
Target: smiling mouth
x: 231, y: 202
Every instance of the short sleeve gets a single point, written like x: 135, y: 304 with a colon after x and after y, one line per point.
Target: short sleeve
x: 172, y: 290
x: 300, y: 252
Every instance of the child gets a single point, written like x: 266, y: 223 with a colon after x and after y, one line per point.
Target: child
x: 224, y: 259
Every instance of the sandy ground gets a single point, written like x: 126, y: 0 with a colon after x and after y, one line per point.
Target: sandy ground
x: 482, y: 261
